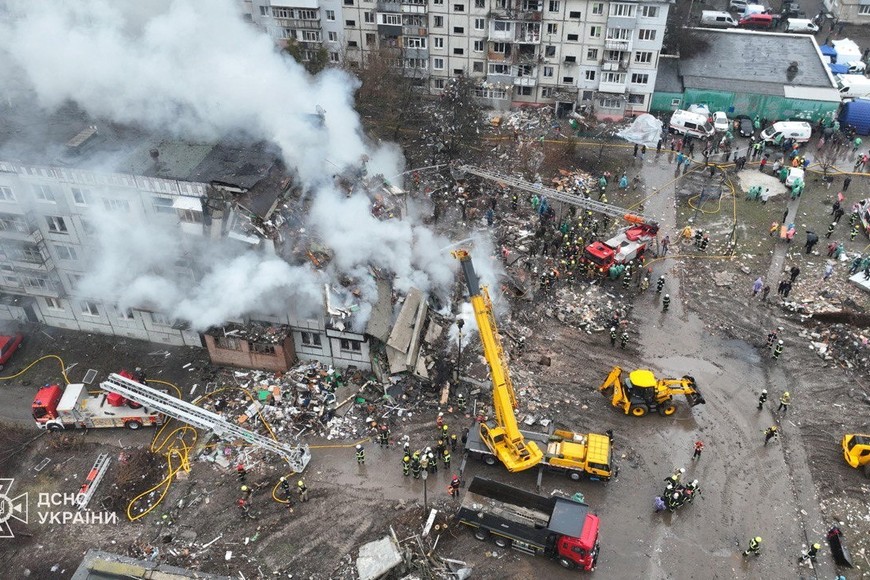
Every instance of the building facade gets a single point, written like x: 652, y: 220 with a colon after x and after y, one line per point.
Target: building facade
x: 849, y: 11
x: 566, y: 53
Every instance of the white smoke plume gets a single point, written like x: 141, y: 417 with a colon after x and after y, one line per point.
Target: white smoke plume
x: 197, y: 70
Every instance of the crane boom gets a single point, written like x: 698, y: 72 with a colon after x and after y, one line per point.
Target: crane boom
x: 504, y: 439
x: 296, y: 456
x: 551, y: 193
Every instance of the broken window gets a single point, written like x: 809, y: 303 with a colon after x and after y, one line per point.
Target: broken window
x: 160, y: 319
x: 13, y: 223
x: 56, y: 224
x: 43, y: 192
x: 90, y: 308
x: 351, y: 345
x: 311, y: 339
x: 260, y: 348
x: 6, y: 193
x: 228, y: 342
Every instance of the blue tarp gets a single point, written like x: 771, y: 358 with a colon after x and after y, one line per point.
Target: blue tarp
x: 828, y: 50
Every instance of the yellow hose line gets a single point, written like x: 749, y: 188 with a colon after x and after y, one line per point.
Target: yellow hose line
x: 27, y: 368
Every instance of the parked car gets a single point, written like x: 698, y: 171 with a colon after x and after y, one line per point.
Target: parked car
x: 794, y: 174
x: 8, y: 345
x: 747, y: 129
x: 757, y: 21
x: 737, y: 5
x: 721, y: 122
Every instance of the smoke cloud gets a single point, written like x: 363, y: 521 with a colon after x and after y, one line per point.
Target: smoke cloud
x: 198, y: 71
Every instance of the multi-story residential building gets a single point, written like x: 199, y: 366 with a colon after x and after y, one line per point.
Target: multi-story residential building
x: 566, y: 53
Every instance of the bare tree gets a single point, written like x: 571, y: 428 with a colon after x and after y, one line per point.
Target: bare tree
x: 455, y: 120
x: 313, y: 61
x: 387, y: 97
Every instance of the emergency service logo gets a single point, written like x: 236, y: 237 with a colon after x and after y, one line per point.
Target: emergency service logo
x: 11, y: 508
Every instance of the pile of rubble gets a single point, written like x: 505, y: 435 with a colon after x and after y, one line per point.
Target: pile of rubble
x: 577, y: 182
x: 529, y: 122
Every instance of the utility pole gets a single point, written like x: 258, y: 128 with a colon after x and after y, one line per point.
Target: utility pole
x: 425, y: 491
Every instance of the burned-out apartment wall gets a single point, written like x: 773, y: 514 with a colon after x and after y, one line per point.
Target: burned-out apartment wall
x: 237, y: 352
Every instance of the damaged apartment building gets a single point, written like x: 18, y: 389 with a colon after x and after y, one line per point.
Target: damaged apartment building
x: 50, y: 188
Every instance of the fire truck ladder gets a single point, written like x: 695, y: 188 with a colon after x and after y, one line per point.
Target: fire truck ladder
x: 551, y: 193
x: 296, y: 456
x: 95, y: 476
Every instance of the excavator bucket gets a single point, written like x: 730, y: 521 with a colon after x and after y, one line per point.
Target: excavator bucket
x: 694, y: 397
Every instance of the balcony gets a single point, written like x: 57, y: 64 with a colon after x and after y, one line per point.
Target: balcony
x: 502, y: 57
x: 615, y: 44
x: 298, y: 24
x: 616, y: 88
x: 413, y: 8
x: 414, y: 31
x: 525, y: 81
x: 415, y: 53
x: 614, y: 65
x: 627, y: 22
x: 389, y: 6
x: 528, y: 33
x: 500, y: 79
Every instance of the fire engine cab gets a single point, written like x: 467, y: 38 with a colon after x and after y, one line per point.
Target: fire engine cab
x: 628, y: 244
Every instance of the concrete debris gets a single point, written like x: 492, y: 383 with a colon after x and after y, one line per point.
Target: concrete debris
x: 377, y: 558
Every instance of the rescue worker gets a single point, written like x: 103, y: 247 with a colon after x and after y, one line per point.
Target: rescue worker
x: 439, y: 421
x: 360, y: 455
x: 285, y: 486
x: 853, y: 233
x: 811, y: 553
x: 770, y: 433
x: 830, y: 230
x: 699, y: 447
x: 644, y: 284
x: 433, y: 463
x: 777, y: 350
x: 424, y: 463
x: 440, y: 447
x: 514, y: 202
x: 699, y: 235
x: 704, y: 242
x: 406, y: 466
x: 771, y: 338
x: 446, y: 458
x: 784, y: 402
x: 666, y: 302
x: 303, y: 491
x: 241, y: 472
x: 453, y: 442
x: 460, y: 402
x: 445, y: 432
x: 246, y: 491
x: 690, y: 490
x: 453, y: 488
x: 384, y: 435
x: 754, y: 546
x: 675, y: 500
x: 674, y: 478
x: 612, y: 336
x: 244, y: 507
x: 623, y: 340
x: 626, y: 280
x: 762, y: 399
x: 660, y: 284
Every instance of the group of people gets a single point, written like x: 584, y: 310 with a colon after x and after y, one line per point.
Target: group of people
x: 676, y: 493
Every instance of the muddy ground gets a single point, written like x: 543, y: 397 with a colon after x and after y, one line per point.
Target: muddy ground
x: 789, y: 492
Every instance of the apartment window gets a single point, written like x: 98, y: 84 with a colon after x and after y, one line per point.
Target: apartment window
x: 626, y: 10
x: 499, y: 47
x: 458, y: 8
x: 554, y: 6
x: 190, y: 216
x: 552, y: 28
x: 124, y: 313
x: 311, y: 339
x: 548, y: 71
x: 282, y: 12
x: 351, y: 345
x: 79, y: 195
x: 369, y: 17
x: 653, y: 11
x: 570, y: 58
x: 478, y: 46
x: 590, y: 75
x: 332, y: 36
x: 160, y: 319
x: 56, y: 224
x: 610, y: 103
x: 643, y: 57
x: 458, y: 51
x: 330, y: 15
x: 87, y: 227
x: 6, y: 193
x: 260, y: 348
x: 594, y: 32
x: 438, y: 63
x: 636, y: 99
x: 227, y: 342
x: 13, y: 223
x: 117, y: 205
x: 162, y: 204
x: 575, y: 14
x: 439, y: 42
x: 480, y: 3
x: 53, y: 303
x: 592, y: 54
x: 264, y: 11
x: 350, y: 23
x: 306, y: 14
x: 438, y: 84
x: 333, y: 57
x: 65, y: 252
x: 550, y: 50
x: 639, y: 78
x: 439, y: 22
x: 499, y: 69
x: 370, y: 39
x: 573, y: 37
x: 43, y: 192
x: 477, y: 66
x: 613, y: 77
x: 438, y: 2
x: 646, y: 34
x: 546, y: 92
x: 415, y: 42
x: 502, y: 26
x: 598, y: 8
x: 458, y: 30
x: 479, y: 24
x: 618, y: 34
x: 354, y: 44
x: 568, y: 80
x: 90, y: 309
x: 348, y: 2
x: 524, y: 91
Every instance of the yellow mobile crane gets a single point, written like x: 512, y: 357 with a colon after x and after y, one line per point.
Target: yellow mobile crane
x: 565, y: 451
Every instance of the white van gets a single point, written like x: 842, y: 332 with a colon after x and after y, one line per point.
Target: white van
x: 692, y: 124
x: 801, y: 25
x: 715, y: 19
x: 755, y: 9
x: 853, y: 86
x: 738, y: 5
x: 799, y: 131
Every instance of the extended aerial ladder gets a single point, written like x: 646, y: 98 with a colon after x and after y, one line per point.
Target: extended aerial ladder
x: 504, y: 438
x: 296, y: 456
x: 554, y: 194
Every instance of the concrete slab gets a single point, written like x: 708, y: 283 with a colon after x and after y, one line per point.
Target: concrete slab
x: 377, y: 558
x: 858, y: 280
